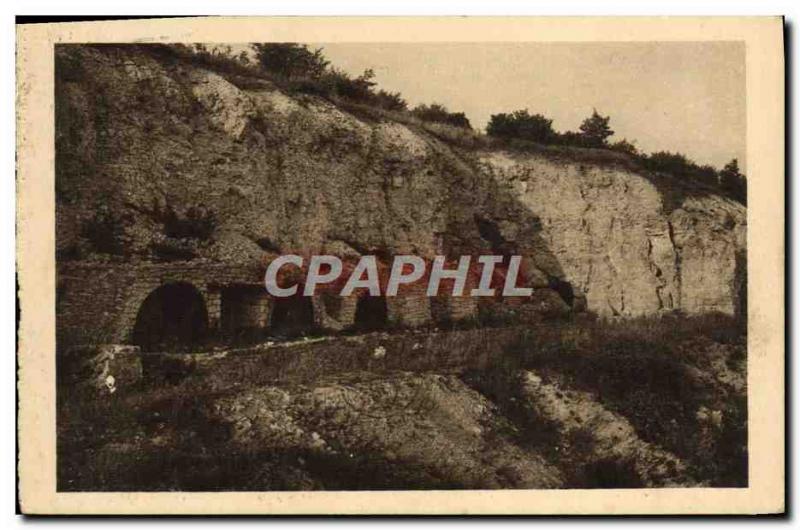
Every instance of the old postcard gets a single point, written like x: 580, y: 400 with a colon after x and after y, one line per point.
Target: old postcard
x: 401, y: 266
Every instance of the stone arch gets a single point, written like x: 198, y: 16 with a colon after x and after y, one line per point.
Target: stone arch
x: 371, y: 313
x: 172, y: 316
x: 292, y: 316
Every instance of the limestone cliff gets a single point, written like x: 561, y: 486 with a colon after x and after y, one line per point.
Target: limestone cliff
x: 139, y: 132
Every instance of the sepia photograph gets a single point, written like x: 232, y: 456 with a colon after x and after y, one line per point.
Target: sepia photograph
x: 310, y: 265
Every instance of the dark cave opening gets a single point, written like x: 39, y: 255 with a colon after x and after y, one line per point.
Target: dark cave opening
x: 371, y: 313
x: 563, y: 288
x: 292, y: 316
x: 172, y: 317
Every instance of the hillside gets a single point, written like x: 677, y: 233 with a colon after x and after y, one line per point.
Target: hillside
x: 176, y: 182
x: 652, y: 403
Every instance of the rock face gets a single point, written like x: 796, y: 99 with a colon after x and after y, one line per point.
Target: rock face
x: 141, y: 132
x: 610, y: 234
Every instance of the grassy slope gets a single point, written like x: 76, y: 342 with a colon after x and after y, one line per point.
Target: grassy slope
x: 678, y: 384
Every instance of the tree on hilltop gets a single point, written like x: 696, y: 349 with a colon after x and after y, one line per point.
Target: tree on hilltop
x: 289, y: 59
x: 733, y: 181
x: 595, y: 129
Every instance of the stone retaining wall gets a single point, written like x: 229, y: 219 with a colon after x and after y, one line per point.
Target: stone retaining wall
x: 99, y: 302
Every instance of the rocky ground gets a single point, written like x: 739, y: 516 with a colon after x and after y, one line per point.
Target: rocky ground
x: 619, y: 405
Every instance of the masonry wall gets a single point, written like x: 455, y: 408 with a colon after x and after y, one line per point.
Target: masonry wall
x: 411, y: 307
x: 335, y: 312
x: 99, y: 302
x: 244, y: 307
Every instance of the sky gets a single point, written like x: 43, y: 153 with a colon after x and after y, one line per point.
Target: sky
x: 687, y: 97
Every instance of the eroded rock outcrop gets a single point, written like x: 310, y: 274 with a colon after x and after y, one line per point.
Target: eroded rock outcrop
x: 433, y: 427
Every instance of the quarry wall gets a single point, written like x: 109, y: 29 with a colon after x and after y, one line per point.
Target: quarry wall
x: 138, y: 133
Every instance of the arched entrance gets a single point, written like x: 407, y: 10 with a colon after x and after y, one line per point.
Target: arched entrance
x: 292, y: 316
x: 172, y: 317
x: 371, y: 313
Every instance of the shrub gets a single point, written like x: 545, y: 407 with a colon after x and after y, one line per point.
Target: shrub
x: 522, y: 125
x: 679, y: 165
x: 358, y: 89
x: 705, y: 174
x: 390, y: 101
x: 438, y: 113
x: 624, y: 146
x: 290, y: 60
x: 337, y: 83
x: 572, y: 138
x: 675, y: 163
x: 310, y: 86
x: 218, y: 58
x: 106, y: 231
